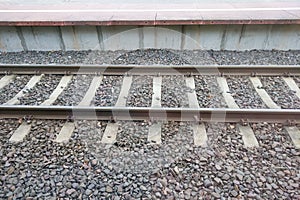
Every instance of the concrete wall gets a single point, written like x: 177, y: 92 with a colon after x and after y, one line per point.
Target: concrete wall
x: 216, y: 37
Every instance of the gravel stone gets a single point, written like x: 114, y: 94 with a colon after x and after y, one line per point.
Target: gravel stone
x: 244, y: 93
x: 131, y: 168
x: 207, y: 183
x: 174, y: 92
x: 13, y: 88
x: 108, y: 92
x: 133, y: 136
x: 75, y: 91
x: 45, y: 169
x: 150, y: 57
x: 280, y: 93
x: 208, y: 92
x: 41, y: 91
x: 256, y: 57
x: 154, y: 56
x: 140, y: 94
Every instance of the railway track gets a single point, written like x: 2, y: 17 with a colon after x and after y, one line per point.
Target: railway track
x: 83, y: 108
x: 124, y: 130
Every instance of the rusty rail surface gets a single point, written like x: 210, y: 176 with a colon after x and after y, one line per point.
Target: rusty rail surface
x: 270, y: 70
x: 146, y: 113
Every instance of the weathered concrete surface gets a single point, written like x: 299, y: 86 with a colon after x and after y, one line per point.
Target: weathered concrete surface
x: 150, y: 12
x: 41, y: 38
x: 10, y: 40
x: 205, y: 37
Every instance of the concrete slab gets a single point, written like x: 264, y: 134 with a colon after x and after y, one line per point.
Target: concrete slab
x: 211, y: 37
x: 147, y: 13
x: 20, y: 133
x: 46, y: 38
x: 225, y: 92
x: 231, y: 37
x: 191, y: 37
x: 156, y: 96
x: 121, y: 37
x: 60, y: 87
x: 121, y: 102
x: 31, y: 83
x: 254, y: 36
x: 90, y: 94
x: 262, y: 93
x: 80, y: 38
x: 65, y: 132
x: 5, y: 80
x: 9, y: 39
x: 154, y: 134
x: 294, y: 133
x: 110, y: 133
x: 169, y: 37
x: 192, y: 97
x: 206, y: 37
x: 200, y: 136
x: 248, y: 136
x: 292, y: 85
x: 281, y: 37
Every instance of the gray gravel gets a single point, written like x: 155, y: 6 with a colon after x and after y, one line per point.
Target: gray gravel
x: 208, y: 92
x: 280, y: 92
x: 174, y: 92
x: 132, y: 136
x: 150, y: 57
x: 108, y: 92
x: 44, y: 57
x: 244, y: 93
x: 140, y: 94
x: 41, y: 91
x: 10, y: 90
x: 131, y: 168
x: 42, y: 169
x: 256, y: 57
x: 169, y: 57
x: 132, y: 152
x: 75, y: 91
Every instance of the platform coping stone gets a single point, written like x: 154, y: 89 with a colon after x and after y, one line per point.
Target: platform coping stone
x: 58, y: 90
x: 227, y: 96
x: 156, y: 97
x: 6, y: 80
x: 31, y: 83
x: 263, y: 94
x: 248, y: 136
x: 121, y: 102
x: 294, y: 133
x: 110, y: 133
x: 90, y: 94
x: 66, y: 132
x: 192, y: 97
x: 20, y: 133
x: 200, y: 135
x: 292, y: 85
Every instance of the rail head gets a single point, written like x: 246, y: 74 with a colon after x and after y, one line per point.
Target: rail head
x: 146, y: 113
x: 270, y: 70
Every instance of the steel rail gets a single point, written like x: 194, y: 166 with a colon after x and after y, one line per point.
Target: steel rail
x: 270, y: 70
x: 145, y: 113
